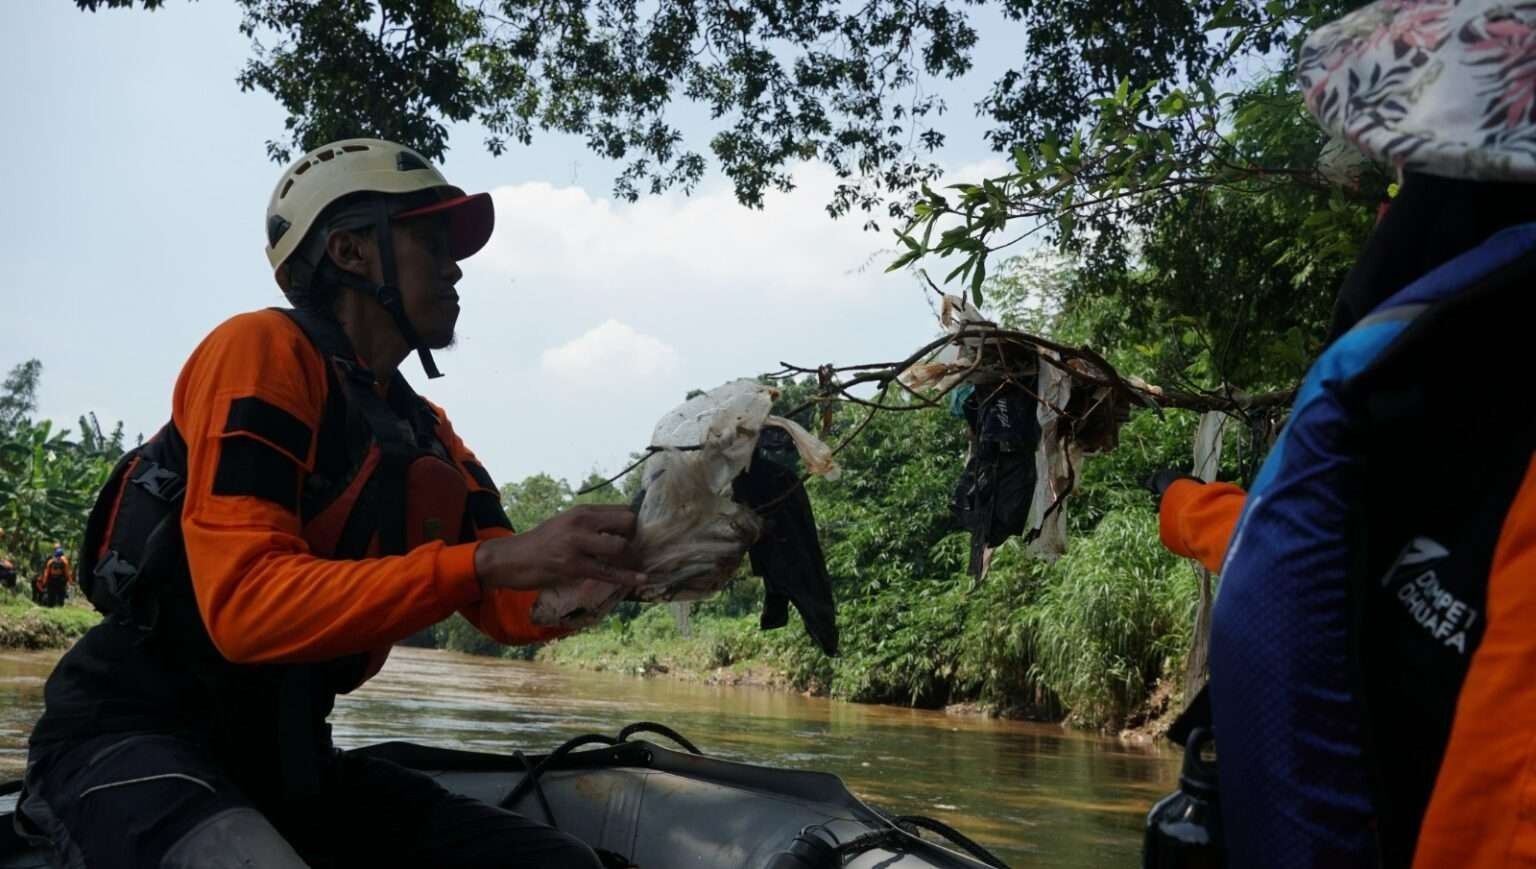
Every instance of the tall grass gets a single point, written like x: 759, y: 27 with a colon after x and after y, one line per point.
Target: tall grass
x: 1113, y: 619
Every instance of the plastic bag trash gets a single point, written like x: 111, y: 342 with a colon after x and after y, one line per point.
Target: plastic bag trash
x: 816, y: 455
x: 690, y: 534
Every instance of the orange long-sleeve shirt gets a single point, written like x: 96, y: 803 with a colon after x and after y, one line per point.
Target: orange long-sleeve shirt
x: 1482, y: 811
x: 1196, y: 520
x: 262, y: 595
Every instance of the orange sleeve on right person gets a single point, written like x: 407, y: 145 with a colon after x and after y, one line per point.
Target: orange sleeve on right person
x: 1196, y: 519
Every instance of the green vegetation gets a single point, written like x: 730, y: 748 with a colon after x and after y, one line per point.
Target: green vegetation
x: 650, y: 643
x: 1098, y: 636
x: 48, y: 480
x: 865, y: 89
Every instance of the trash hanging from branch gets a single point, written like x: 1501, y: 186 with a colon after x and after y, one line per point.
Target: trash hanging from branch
x: 995, y: 378
x: 1031, y: 415
x: 714, y: 489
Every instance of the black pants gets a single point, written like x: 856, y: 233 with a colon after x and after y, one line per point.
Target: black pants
x: 156, y: 800
x: 54, y: 592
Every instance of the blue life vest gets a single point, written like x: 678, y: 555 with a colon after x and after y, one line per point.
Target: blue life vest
x: 1353, y: 587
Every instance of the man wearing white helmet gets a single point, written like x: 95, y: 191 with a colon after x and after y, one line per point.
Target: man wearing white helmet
x: 302, y: 511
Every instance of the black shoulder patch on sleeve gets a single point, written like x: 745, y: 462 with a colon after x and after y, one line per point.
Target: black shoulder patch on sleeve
x: 485, y: 508
x: 251, y: 415
x: 251, y: 467
x: 478, y: 473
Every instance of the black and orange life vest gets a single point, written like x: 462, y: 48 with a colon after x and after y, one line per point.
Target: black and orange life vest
x: 382, y: 483
x: 56, y: 568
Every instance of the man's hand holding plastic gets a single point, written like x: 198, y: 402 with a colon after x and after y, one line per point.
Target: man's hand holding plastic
x: 591, y: 541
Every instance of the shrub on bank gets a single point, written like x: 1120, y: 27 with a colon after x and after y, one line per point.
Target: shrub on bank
x: 651, y: 641
x: 25, y: 625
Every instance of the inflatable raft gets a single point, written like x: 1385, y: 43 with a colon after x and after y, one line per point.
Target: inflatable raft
x: 655, y: 807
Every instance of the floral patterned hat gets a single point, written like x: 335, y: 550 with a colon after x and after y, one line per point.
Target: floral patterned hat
x: 1443, y: 87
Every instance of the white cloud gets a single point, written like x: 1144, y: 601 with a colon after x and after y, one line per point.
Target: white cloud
x: 606, y: 351
x: 677, y: 250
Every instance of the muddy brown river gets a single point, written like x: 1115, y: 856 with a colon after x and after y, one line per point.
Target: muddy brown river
x: 1037, y: 794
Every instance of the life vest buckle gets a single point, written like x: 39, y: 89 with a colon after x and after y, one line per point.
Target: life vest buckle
x: 117, y: 572
x: 163, y: 483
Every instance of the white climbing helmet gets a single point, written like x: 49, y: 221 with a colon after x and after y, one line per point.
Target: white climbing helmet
x: 339, y: 169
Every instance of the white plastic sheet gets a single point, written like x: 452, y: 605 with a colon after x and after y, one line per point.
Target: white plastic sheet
x: 690, y: 534
x: 1208, y: 444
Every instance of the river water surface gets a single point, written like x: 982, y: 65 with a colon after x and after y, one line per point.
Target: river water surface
x: 1037, y: 794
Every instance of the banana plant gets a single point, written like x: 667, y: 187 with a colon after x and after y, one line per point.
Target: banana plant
x: 47, y: 485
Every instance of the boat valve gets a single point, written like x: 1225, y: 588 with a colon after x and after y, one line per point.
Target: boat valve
x: 807, y: 851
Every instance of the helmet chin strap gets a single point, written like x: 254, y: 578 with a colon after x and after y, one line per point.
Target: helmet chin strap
x: 388, y: 293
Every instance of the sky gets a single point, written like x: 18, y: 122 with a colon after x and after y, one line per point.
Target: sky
x: 138, y: 179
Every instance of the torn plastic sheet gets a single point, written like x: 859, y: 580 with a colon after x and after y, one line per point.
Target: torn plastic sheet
x: 1055, y: 463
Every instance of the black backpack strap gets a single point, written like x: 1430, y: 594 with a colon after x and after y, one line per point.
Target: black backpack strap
x: 395, y: 436
x: 134, y: 529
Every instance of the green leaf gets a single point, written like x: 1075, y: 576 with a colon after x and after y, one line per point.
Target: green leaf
x: 1222, y: 22
x: 977, y: 277
x: 1172, y: 104
x: 904, y: 260
x: 1160, y: 174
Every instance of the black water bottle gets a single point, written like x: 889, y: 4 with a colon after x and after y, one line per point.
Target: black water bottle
x: 1184, y: 828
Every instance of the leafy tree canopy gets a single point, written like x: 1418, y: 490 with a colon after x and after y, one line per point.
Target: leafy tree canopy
x: 857, y: 85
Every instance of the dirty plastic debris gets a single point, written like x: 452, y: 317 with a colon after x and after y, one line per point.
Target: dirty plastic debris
x: 690, y: 535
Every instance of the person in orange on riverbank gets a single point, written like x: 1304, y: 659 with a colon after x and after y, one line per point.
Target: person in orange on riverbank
x: 302, y: 511
x: 54, y: 580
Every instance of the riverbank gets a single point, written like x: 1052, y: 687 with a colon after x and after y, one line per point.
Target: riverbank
x: 716, y: 651
x: 734, y: 651
x: 25, y: 625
